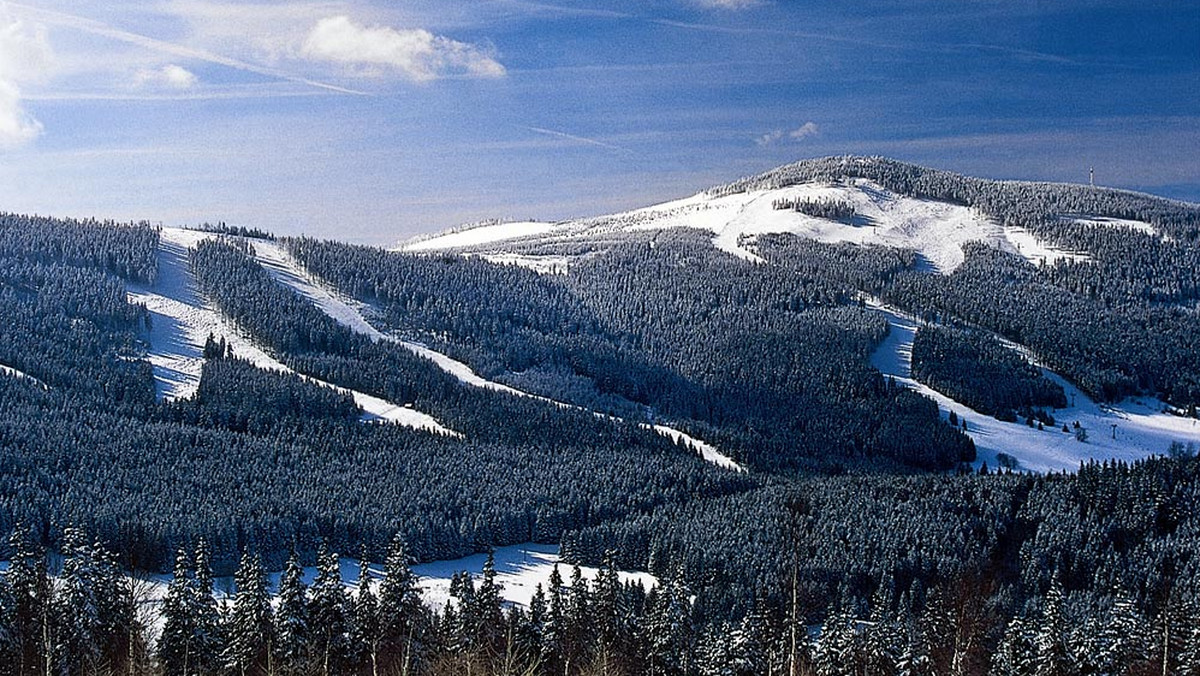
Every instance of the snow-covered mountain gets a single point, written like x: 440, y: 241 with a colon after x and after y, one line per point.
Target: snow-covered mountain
x: 937, y: 230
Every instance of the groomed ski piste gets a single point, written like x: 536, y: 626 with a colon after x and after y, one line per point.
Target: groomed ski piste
x: 937, y: 231
x: 1129, y: 430
x: 350, y: 313
x: 181, y: 321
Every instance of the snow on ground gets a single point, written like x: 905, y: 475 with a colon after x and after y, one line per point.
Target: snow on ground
x: 483, y: 234
x: 519, y: 570
x: 707, y: 451
x: 21, y: 375
x: 1141, y: 430
x: 936, y: 230
x: 1141, y: 226
x: 1038, y: 252
x: 181, y: 322
x: 544, y: 265
x: 349, y: 313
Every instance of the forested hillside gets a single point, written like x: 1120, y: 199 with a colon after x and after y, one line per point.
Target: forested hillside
x: 697, y: 391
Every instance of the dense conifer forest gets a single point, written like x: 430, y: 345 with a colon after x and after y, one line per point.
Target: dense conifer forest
x: 859, y: 540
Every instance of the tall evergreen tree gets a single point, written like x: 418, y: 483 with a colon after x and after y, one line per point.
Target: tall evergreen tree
x: 292, y: 635
x: 329, y: 615
x: 402, y: 615
x: 177, y: 649
x: 249, y: 628
x: 365, y: 639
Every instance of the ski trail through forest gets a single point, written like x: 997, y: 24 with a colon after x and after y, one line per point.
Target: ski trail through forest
x: 350, y: 313
x: 181, y: 321
x: 1129, y: 430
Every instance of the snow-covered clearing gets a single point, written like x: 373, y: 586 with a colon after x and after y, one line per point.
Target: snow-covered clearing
x: 21, y: 375
x: 181, y: 322
x: 1140, y: 226
x: 543, y: 265
x: 482, y: 234
x: 1141, y: 429
x: 1038, y: 252
x: 519, y: 570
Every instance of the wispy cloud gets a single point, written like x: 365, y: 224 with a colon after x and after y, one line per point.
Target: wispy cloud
x: 182, y: 51
x: 414, y: 53
x: 170, y: 76
x: 800, y: 133
x: 25, y: 55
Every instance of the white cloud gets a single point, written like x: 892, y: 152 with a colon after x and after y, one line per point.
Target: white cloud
x: 413, y: 53
x: 799, y: 134
x: 807, y: 129
x: 170, y: 76
x: 25, y: 56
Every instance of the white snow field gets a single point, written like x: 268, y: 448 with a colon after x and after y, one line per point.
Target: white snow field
x: 482, y: 234
x: 519, y: 570
x: 935, y: 230
x: 181, y: 322
x: 1141, y: 429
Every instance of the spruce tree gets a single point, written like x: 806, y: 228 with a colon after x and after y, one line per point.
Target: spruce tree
x: 366, y: 622
x: 402, y: 614
x: 177, y: 644
x: 248, y: 629
x: 291, y: 619
x: 329, y: 615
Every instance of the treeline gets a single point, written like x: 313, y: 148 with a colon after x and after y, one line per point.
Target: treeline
x: 867, y: 268
x: 261, y: 460
x: 834, y: 210
x: 782, y: 379
x: 126, y: 250
x: 71, y: 328
x: 977, y: 369
x: 236, y: 395
x: 1125, y: 264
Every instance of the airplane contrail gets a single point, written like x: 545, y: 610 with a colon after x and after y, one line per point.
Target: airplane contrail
x: 580, y: 139
x: 105, y: 30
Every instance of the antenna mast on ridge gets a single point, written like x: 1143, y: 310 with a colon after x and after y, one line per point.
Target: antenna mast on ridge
x: 1092, y: 176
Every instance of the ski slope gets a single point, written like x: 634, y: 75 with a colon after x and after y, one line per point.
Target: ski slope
x: 475, y: 236
x: 350, y: 313
x: 1141, y: 429
x: 935, y: 230
x: 181, y: 321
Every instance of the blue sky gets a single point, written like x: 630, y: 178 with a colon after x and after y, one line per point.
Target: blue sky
x: 373, y: 121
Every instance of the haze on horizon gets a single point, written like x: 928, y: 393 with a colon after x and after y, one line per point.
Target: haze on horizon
x: 370, y: 121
